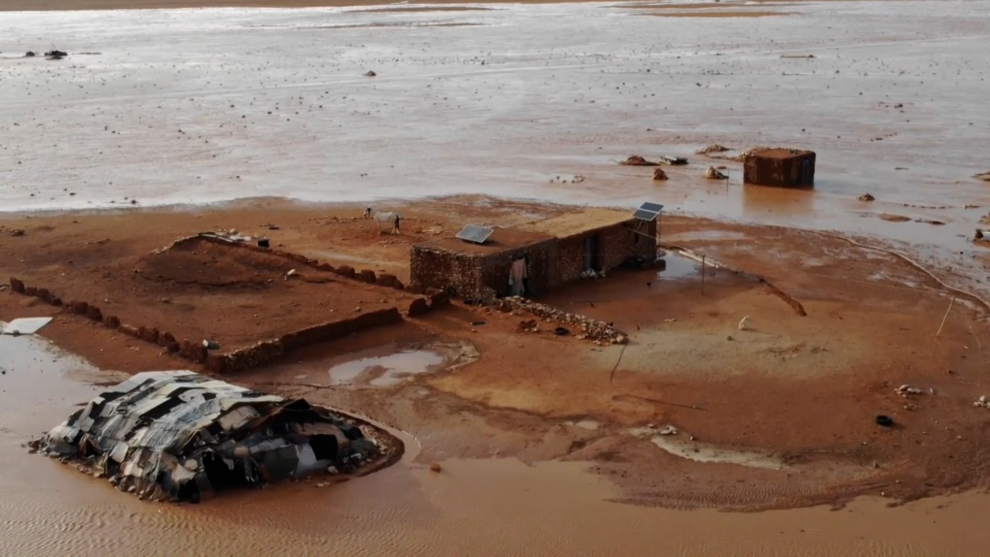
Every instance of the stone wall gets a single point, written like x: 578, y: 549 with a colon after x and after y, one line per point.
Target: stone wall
x: 479, y: 276
x: 551, y: 263
x: 433, y: 268
x: 616, y: 244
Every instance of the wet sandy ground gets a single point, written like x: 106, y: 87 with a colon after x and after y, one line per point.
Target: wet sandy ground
x: 497, y: 507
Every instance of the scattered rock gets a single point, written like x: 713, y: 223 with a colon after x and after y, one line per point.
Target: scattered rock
x: 668, y: 430
x: 746, y: 324
x: 17, y: 232
x: 418, y: 307
x: 592, y: 329
x: 436, y: 468
x: 907, y: 390
x: 16, y: 285
x: 982, y: 402
x: 866, y: 197
x: 884, y: 421
x: 659, y: 175
x: 291, y: 273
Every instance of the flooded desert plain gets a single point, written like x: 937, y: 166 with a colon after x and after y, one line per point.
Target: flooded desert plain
x: 694, y: 435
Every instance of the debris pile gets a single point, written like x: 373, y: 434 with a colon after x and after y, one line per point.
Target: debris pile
x: 659, y: 174
x: 598, y: 331
x: 182, y: 436
x: 866, y: 197
x: 985, y: 176
x: 637, y: 160
x: 673, y: 161
x: 982, y: 402
x: 713, y: 148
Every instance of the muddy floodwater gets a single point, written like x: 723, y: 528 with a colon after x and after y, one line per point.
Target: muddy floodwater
x: 471, y: 507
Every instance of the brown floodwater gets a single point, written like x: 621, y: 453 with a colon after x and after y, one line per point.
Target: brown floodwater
x: 472, y: 507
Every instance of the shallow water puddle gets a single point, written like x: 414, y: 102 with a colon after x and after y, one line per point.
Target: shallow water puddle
x: 388, y: 370
x: 678, y: 267
x: 700, y: 452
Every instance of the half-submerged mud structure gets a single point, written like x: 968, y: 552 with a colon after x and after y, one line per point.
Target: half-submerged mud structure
x: 182, y: 436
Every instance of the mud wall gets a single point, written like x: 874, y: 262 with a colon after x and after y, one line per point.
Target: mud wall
x: 616, y: 244
x: 262, y: 353
x: 797, y: 171
x: 267, y: 352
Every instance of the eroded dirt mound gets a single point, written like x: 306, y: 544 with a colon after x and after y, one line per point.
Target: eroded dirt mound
x: 206, y: 263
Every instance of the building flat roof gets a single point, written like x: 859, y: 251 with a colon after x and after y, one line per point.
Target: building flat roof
x: 780, y: 153
x: 572, y: 224
x: 501, y: 239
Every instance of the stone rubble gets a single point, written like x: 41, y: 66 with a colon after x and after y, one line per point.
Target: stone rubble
x: 907, y: 390
x: 982, y: 402
x: 598, y: 331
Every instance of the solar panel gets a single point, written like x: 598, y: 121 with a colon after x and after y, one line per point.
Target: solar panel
x: 645, y: 215
x: 648, y: 211
x: 475, y: 234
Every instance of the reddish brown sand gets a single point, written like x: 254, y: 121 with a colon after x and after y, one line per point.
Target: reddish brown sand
x: 798, y: 392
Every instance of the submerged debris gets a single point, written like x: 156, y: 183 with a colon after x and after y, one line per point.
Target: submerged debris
x: 866, y: 197
x: 713, y: 148
x: 183, y: 436
x: 637, y: 160
x: 370, y: 73
x: 985, y: 176
x: 674, y: 161
x: 714, y: 174
x: 659, y: 174
x: 982, y: 402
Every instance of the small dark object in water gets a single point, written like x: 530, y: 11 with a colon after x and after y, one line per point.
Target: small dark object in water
x: 56, y: 54
x: 370, y: 74
x: 477, y: 323
x: 885, y: 421
x: 29, y: 54
x: 561, y: 331
x: 264, y: 243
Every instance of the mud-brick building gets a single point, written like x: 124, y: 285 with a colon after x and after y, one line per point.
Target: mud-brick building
x: 781, y: 168
x: 556, y: 251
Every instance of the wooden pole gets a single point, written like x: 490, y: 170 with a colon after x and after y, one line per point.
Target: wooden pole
x: 945, y: 317
x: 702, y: 275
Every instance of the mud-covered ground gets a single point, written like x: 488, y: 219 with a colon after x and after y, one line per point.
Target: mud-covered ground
x: 783, y: 415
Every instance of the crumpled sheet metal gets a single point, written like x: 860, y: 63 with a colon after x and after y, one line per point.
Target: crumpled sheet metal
x: 174, y: 435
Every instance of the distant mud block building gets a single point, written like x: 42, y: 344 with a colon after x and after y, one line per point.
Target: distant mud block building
x: 532, y: 258
x: 781, y: 168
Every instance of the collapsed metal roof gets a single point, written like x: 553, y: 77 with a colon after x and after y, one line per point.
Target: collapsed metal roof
x: 182, y: 436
